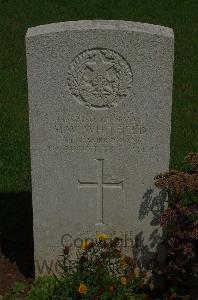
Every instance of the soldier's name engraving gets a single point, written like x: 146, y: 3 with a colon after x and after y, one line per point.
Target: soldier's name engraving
x: 101, y: 133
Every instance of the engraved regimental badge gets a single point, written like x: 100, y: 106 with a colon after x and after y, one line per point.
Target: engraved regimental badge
x: 100, y: 78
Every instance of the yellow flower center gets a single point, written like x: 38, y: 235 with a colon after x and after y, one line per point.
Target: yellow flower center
x: 123, y: 280
x: 82, y: 288
x: 123, y: 263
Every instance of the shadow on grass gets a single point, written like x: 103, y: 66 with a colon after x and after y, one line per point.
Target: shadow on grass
x: 16, y: 230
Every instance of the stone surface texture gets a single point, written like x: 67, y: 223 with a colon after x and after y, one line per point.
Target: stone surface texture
x: 100, y: 95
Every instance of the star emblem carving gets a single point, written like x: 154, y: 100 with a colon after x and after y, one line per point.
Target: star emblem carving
x: 98, y: 78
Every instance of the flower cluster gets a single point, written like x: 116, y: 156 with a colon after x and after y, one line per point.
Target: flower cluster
x: 101, y: 270
x: 180, y: 221
x: 168, y: 215
x: 192, y: 159
x: 177, y: 182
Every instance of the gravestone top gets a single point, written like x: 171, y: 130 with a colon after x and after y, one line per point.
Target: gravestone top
x: 100, y: 24
x: 100, y: 95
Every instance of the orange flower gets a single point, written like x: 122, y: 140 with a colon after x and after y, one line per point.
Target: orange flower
x: 111, y: 289
x: 194, y: 233
x: 82, y: 289
x: 85, y: 245
x: 187, y: 249
x: 123, y: 263
x: 123, y: 280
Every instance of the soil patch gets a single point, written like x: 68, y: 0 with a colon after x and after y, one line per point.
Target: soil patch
x: 10, y: 274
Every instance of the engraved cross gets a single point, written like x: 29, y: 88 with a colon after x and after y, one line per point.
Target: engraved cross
x: 100, y: 185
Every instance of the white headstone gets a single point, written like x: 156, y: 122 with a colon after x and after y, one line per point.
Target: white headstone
x: 100, y: 121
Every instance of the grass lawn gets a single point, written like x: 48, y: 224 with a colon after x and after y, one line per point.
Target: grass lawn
x: 17, y: 15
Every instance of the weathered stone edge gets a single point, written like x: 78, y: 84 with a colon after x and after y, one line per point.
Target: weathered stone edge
x: 100, y: 24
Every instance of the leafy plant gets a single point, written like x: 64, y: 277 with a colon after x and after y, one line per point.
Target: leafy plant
x: 16, y: 291
x: 43, y: 289
x: 180, y: 224
x: 101, y: 271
